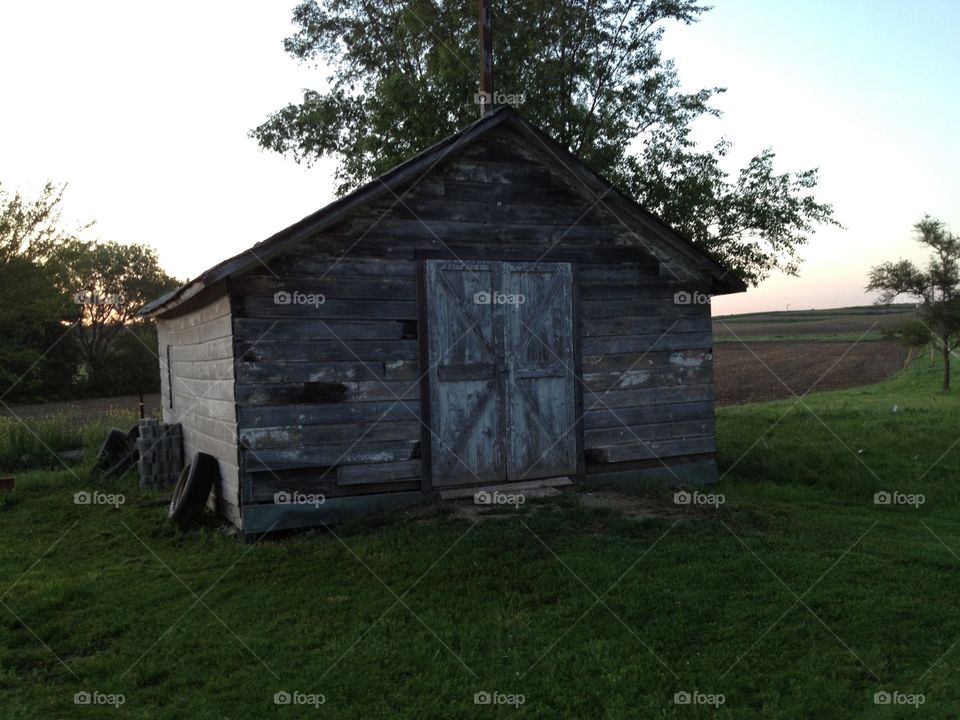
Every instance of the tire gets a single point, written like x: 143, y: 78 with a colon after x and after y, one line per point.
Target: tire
x: 113, y: 448
x: 133, y: 434
x: 123, y: 464
x: 193, y: 488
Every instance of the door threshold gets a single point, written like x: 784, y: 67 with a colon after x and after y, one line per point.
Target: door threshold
x: 526, y: 485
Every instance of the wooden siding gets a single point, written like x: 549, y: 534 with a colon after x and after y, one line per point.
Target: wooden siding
x: 328, y: 393
x: 199, y: 344
x: 328, y: 397
x: 647, y: 377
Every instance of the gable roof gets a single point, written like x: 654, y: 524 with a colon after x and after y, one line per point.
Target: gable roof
x: 719, y: 277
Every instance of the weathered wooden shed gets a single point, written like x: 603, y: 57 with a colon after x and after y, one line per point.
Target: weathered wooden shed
x: 490, y: 311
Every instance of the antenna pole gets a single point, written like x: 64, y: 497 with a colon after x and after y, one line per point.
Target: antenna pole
x: 486, y: 58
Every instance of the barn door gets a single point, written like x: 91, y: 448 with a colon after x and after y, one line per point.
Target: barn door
x: 539, y: 355
x: 501, y: 371
x: 466, y: 374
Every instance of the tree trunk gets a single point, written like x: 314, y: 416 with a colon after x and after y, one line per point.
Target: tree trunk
x: 946, y: 363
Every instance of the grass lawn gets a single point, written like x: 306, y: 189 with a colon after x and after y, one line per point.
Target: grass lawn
x: 797, y: 598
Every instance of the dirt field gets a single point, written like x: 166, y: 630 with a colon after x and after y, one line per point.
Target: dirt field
x: 844, y: 323
x: 770, y: 370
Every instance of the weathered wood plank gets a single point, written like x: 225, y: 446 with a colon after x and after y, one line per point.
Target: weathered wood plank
x: 650, y: 288
x: 601, y: 437
x: 266, y: 487
x: 459, y: 190
x: 218, y: 349
x: 601, y: 417
x: 186, y: 407
x: 620, y: 274
x: 279, y: 371
x: 344, y: 454
x: 647, y: 377
x: 265, y: 306
x: 296, y: 435
x: 325, y: 392
x: 281, y: 415
x: 646, y: 307
x: 647, y: 359
x: 486, y: 213
x: 329, y: 350
x: 653, y: 449
x: 407, y: 233
x: 633, y: 398
x: 332, y: 288
x: 312, y: 260
x: 308, y: 329
x: 619, y: 326
x: 616, y: 345
x: 364, y: 475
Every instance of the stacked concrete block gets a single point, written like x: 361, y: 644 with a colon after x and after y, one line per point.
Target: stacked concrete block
x: 161, y: 453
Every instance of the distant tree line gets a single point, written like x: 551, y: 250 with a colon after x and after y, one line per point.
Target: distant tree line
x: 67, y: 307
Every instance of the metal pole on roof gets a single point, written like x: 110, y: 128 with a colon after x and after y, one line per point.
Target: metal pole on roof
x: 486, y: 58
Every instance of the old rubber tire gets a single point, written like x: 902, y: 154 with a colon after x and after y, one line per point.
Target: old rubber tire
x: 133, y: 434
x: 130, y: 458
x: 193, y: 488
x: 113, y: 448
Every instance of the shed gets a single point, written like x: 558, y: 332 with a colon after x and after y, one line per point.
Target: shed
x: 489, y: 312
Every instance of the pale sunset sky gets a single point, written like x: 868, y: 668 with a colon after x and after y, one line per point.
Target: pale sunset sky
x: 144, y: 110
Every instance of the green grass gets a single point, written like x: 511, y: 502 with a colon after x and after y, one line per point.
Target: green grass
x: 35, y: 442
x: 395, y: 619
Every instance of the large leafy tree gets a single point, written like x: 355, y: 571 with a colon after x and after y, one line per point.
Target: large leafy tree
x: 404, y: 75
x: 67, y: 323
x: 937, y: 288
x: 111, y: 282
x: 38, y: 352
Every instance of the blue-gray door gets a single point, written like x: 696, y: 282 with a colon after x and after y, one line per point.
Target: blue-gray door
x: 501, y: 371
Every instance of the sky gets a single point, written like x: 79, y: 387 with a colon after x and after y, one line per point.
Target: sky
x: 145, y: 109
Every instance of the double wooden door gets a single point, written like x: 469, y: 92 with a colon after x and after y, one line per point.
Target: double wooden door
x: 501, y: 373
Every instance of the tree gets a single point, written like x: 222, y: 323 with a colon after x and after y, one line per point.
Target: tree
x: 590, y: 72
x: 67, y: 306
x: 938, y: 287
x: 111, y: 282
x: 38, y: 352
